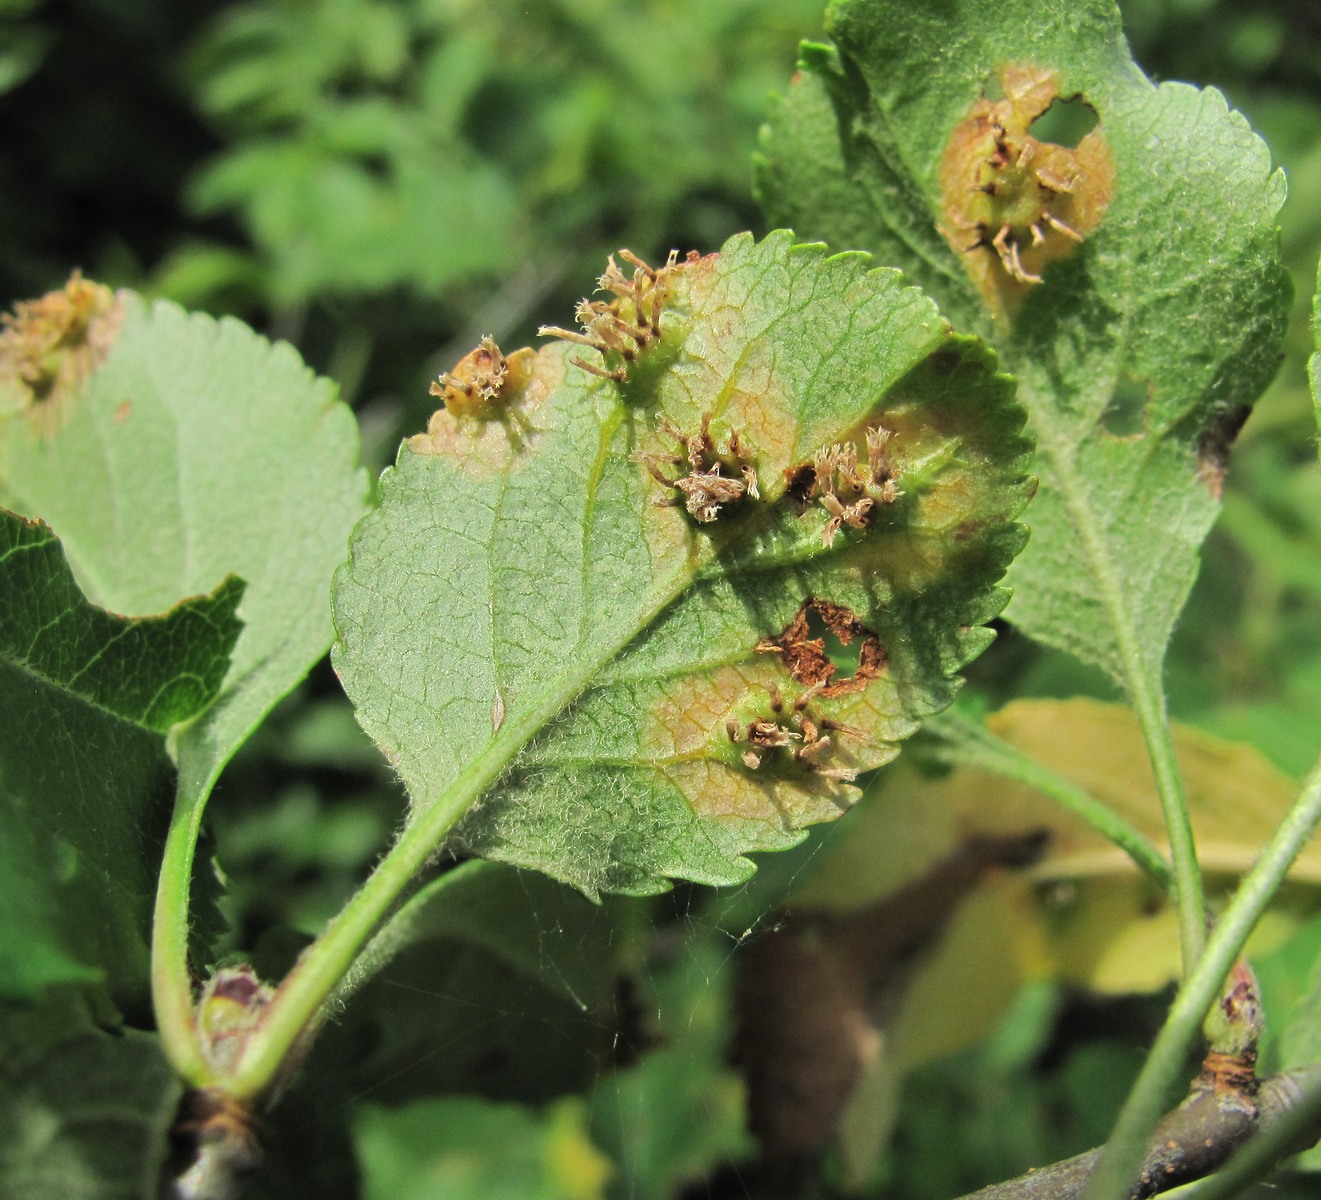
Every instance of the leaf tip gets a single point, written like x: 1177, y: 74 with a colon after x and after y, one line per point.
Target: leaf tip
x: 50, y: 345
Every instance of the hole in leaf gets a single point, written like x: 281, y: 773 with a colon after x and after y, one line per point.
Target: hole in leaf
x: 843, y: 658
x: 1123, y: 416
x: 992, y: 88
x: 1065, y: 122
x: 824, y: 639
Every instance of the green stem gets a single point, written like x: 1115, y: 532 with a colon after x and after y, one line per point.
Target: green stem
x: 1143, y: 681
x: 300, y: 998
x: 1123, y: 1153
x: 171, y: 980
x: 972, y: 744
x: 1149, y: 705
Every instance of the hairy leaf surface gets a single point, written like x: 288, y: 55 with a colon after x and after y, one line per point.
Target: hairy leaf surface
x: 1161, y: 303
x: 549, y: 600
x: 86, y: 699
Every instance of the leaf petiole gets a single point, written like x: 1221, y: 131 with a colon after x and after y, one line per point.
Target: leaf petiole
x: 171, y: 981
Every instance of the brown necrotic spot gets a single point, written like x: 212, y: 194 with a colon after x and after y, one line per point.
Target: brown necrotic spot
x: 485, y: 434
x: 623, y: 327
x: 49, y: 346
x: 1215, y: 444
x: 805, y: 648
x: 1014, y: 201
x: 475, y: 386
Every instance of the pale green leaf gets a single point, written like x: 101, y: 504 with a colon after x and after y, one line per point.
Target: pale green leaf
x: 520, y: 609
x: 463, y: 1148
x: 1141, y: 349
x: 169, y: 451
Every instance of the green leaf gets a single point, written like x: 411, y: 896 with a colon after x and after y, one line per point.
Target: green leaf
x: 521, y: 610
x: 152, y: 673
x: 169, y: 451
x: 1143, y: 345
x: 84, y: 1112
x: 86, y: 699
x: 1314, y: 363
x: 462, y: 1148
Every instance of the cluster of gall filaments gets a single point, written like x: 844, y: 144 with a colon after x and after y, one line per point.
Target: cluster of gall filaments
x: 620, y: 329
x: 1022, y: 196
x: 794, y: 731
x: 477, y: 380
x: 706, y: 487
x: 849, y: 490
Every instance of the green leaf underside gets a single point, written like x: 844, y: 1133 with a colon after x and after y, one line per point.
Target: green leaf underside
x: 1137, y: 355
x: 83, y: 1112
x: 198, y: 450
x: 86, y: 698
x: 519, y: 608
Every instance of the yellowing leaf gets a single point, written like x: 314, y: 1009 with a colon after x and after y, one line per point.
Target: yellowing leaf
x: 1084, y: 911
x: 1081, y: 912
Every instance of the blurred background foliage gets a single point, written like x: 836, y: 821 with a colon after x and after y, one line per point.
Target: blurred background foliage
x: 382, y: 183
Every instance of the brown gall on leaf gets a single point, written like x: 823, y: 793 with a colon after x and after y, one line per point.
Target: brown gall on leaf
x: 475, y: 385
x: 490, y: 400
x: 1215, y: 444
x: 705, y: 488
x: 49, y: 346
x: 807, y: 739
x: 622, y: 328
x: 847, y: 490
x: 1012, y: 204
x: 805, y: 657
x: 688, y: 737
